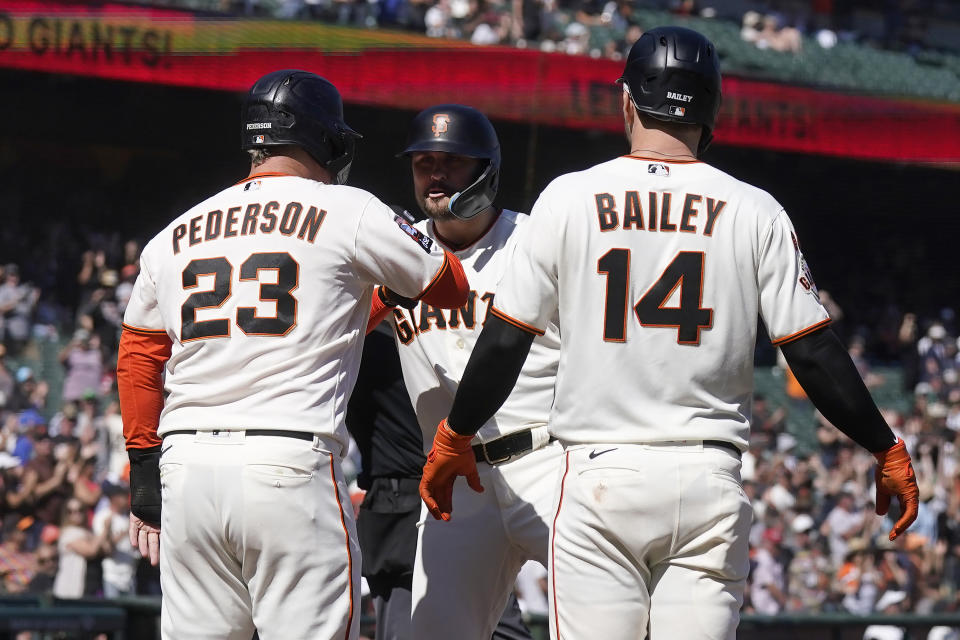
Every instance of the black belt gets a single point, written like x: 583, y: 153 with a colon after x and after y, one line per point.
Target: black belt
x: 502, y: 449
x: 282, y: 433
x: 725, y: 445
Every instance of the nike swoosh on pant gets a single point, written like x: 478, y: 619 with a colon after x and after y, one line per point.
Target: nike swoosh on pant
x: 595, y: 453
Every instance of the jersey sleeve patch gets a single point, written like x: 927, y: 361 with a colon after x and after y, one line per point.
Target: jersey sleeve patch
x: 418, y: 236
x: 806, y: 276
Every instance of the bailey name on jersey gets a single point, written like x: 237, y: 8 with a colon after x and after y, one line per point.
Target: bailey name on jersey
x: 256, y: 218
x: 661, y: 214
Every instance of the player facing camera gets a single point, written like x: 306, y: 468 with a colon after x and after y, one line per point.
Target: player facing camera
x: 455, y: 155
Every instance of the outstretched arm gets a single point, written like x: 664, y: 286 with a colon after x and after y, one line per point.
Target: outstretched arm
x: 491, y: 373
x: 825, y: 371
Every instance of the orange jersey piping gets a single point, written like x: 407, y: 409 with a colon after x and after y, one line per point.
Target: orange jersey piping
x: 801, y: 333
x: 517, y: 323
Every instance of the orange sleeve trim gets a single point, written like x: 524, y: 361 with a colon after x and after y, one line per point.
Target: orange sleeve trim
x: 449, y: 287
x: 148, y: 332
x: 378, y: 311
x: 439, y: 274
x: 517, y: 323
x: 140, y: 362
x: 801, y: 333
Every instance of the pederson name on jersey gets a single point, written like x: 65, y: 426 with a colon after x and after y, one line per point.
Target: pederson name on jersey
x: 291, y: 219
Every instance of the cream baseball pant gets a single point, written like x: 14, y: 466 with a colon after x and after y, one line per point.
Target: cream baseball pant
x: 466, y: 568
x: 257, y: 532
x: 649, y: 535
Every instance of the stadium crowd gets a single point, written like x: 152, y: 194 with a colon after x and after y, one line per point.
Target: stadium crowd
x: 607, y: 28
x: 815, y: 544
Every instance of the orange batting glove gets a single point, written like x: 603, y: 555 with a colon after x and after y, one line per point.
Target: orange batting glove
x: 451, y: 456
x: 895, y: 477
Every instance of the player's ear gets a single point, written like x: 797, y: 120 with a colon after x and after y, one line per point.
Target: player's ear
x: 629, y: 113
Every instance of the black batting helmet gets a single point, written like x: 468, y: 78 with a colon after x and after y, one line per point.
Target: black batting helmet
x: 673, y: 73
x: 299, y: 108
x: 455, y: 128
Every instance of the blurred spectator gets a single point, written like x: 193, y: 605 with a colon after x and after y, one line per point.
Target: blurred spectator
x: 857, y: 578
x: 767, y: 419
x: 891, y: 602
x: 17, y: 303
x: 531, y: 589
x: 857, y: 350
x: 767, y: 576
x: 44, y: 487
x: 810, y: 571
x: 6, y: 379
x: 93, y: 264
x: 46, y: 570
x: 17, y: 564
x: 28, y: 392
x: 769, y: 32
x: 120, y: 561
x: 116, y: 447
x: 577, y: 39
x: 439, y: 21
x: 843, y: 523
x: 83, y: 360
x: 128, y: 275
x: 78, y: 545
x: 101, y: 314
x: 907, y: 338
x: 85, y: 488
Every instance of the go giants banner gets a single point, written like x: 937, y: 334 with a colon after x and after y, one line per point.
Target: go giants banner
x: 401, y: 70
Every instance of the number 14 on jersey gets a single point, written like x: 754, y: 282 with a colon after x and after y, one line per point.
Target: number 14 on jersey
x: 685, y: 272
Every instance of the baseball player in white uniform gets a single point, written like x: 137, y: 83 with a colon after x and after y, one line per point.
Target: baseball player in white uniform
x: 240, y: 347
x: 659, y: 265
x: 465, y: 569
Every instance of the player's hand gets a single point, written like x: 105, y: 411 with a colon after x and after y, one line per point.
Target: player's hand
x: 895, y: 477
x: 393, y: 299
x: 146, y: 538
x: 451, y: 456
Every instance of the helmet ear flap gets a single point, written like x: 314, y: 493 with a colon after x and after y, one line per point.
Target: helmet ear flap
x: 475, y: 198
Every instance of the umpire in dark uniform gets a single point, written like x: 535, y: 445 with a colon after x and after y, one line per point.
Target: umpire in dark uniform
x: 384, y: 426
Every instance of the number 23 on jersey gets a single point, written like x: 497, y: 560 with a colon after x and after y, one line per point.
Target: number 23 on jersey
x: 279, y: 324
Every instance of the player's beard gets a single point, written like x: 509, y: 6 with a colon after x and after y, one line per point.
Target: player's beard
x: 437, y: 208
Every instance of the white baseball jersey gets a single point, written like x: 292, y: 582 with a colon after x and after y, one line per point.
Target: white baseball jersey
x: 435, y: 344
x: 659, y: 270
x: 265, y: 291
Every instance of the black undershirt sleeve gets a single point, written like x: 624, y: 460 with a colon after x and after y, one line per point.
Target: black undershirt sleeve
x: 825, y: 371
x: 491, y: 372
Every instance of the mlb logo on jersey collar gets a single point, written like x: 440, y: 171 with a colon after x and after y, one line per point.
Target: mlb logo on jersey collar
x: 658, y: 169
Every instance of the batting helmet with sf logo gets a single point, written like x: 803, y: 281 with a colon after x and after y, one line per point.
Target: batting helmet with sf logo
x: 456, y: 128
